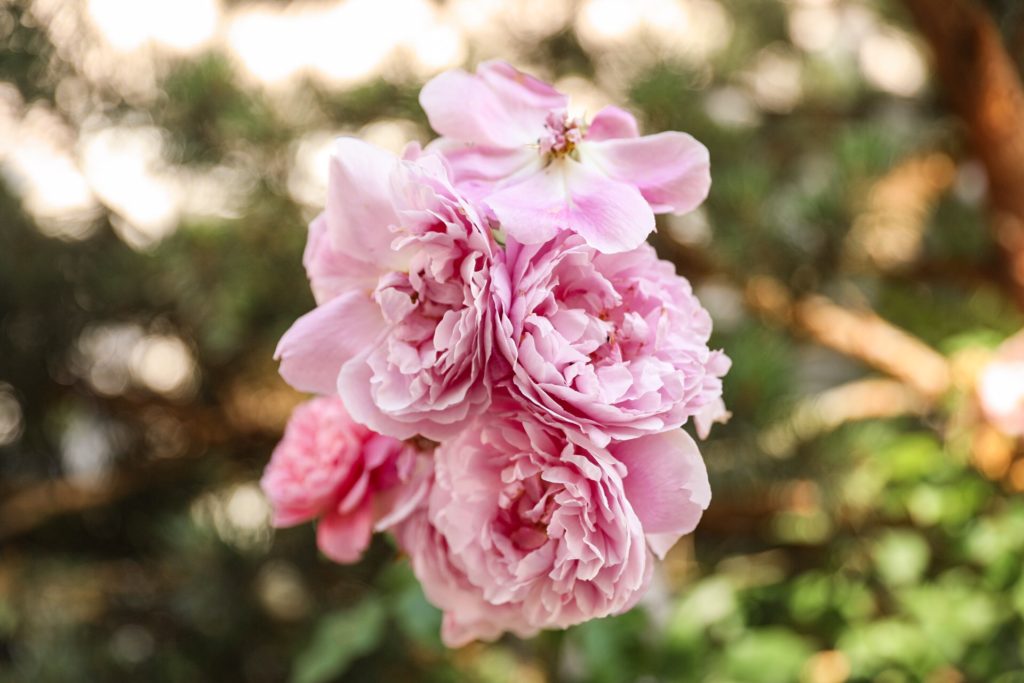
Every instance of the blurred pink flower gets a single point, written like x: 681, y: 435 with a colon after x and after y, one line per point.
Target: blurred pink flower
x: 528, y: 526
x: 329, y: 467
x: 1001, y: 387
x: 400, y: 265
x: 615, y: 345
x: 510, y: 139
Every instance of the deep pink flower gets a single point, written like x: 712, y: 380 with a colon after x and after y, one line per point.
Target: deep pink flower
x: 1001, y: 387
x: 400, y: 264
x: 509, y: 138
x: 529, y: 527
x: 330, y: 468
x: 615, y: 345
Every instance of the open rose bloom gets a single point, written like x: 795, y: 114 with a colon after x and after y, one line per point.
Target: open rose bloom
x: 503, y: 367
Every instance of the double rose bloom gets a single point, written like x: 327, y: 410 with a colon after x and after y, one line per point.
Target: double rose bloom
x: 494, y: 294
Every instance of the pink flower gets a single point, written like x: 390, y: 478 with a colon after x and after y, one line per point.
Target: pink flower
x: 401, y: 266
x: 529, y: 527
x: 1001, y: 387
x: 353, y: 480
x: 711, y: 414
x: 509, y: 138
x: 615, y: 345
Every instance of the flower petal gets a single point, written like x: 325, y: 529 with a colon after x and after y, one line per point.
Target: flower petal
x: 360, y: 211
x: 671, y: 170
x: 611, y: 216
x: 475, y: 169
x: 344, y: 537
x: 498, y: 106
x: 316, y: 346
x: 611, y: 123
x: 667, y: 484
x: 332, y: 272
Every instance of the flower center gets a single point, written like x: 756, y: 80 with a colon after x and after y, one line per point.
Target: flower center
x: 562, y: 134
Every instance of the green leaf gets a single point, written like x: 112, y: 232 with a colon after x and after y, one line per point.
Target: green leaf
x: 770, y: 655
x: 901, y: 557
x: 339, y: 639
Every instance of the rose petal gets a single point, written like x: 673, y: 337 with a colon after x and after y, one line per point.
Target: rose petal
x: 498, y: 106
x: 344, y: 537
x: 475, y: 169
x: 360, y: 211
x: 672, y: 170
x: 314, y: 349
x: 611, y: 216
x: 330, y: 271
x: 611, y: 123
x: 667, y: 484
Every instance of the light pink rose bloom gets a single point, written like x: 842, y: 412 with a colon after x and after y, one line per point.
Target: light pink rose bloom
x: 400, y: 265
x: 354, y: 481
x: 529, y: 527
x: 509, y: 138
x: 1001, y: 387
x: 615, y: 345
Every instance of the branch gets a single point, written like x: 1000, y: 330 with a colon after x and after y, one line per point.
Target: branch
x: 857, y: 334
x: 984, y: 90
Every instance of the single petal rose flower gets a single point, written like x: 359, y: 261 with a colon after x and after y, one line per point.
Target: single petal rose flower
x: 510, y: 139
x: 615, y: 345
x: 400, y: 265
x: 1001, y: 387
x: 353, y: 480
x: 529, y: 527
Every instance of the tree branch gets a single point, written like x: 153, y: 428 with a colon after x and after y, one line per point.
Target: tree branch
x: 857, y: 334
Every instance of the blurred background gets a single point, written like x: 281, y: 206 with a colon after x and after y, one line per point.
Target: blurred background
x: 862, y: 253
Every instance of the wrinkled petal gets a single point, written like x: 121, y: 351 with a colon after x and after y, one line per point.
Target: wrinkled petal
x: 667, y: 484
x: 611, y: 123
x: 671, y: 170
x: 711, y: 414
x: 314, y: 349
x: 611, y: 216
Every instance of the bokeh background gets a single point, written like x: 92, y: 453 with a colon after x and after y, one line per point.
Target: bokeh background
x: 159, y: 161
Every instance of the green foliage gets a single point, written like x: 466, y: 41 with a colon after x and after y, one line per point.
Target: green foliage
x: 340, y: 638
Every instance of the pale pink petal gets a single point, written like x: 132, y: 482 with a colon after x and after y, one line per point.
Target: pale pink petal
x: 667, y: 483
x: 360, y: 211
x: 498, y: 106
x: 517, y: 87
x: 610, y: 123
x: 611, y: 216
x: 316, y: 346
x: 355, y: 384
x: 344, y: 537
x: 713, y: 413
x: 672, y: 170
x: 475, y: 169
x: 332, y: 272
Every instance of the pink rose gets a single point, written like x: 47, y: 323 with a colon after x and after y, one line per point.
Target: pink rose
x: 615, y: 345
x: 1001, y: 387
x: 509, y: 138
x: 401, y: 268
x: 528, y: 526
x: 353, y: 480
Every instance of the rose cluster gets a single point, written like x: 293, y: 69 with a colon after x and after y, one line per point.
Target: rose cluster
x: 502, y: 364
